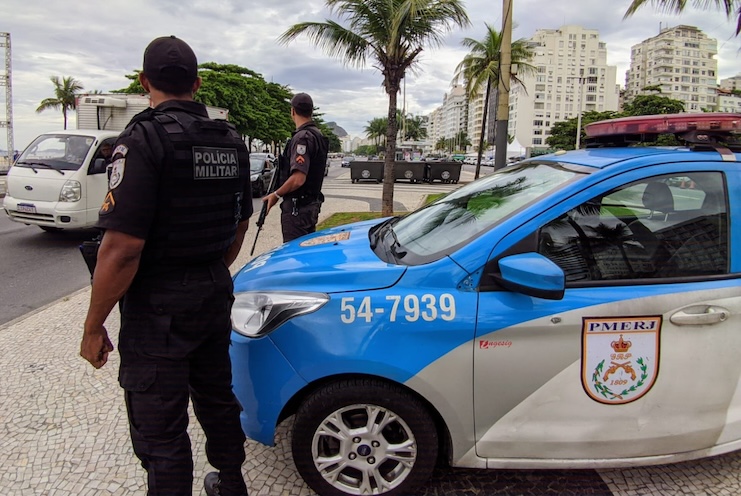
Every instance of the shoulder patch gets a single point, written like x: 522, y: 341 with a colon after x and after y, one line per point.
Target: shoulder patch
x: 300, y: 149
x: 122, y: 149
x: 117, y: 173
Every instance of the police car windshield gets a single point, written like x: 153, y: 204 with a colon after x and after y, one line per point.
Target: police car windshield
x: 455, y: 219
x: 56, y: 151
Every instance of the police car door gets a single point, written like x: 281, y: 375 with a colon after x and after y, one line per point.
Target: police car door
x: 640, y: 357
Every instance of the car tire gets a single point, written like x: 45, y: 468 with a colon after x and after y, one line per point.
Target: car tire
x: 342, y: 419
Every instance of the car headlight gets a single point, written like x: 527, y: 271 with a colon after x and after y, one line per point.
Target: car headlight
x: 257, y: 313
x: 254, y: 177
x: 71, y: 191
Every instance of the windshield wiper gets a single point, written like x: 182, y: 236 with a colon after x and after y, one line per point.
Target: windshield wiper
x: 378, y: 233
x: 394, y: 247
x: 31, y: 166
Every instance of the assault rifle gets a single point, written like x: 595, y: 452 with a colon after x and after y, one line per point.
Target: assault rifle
x: 264, y: 210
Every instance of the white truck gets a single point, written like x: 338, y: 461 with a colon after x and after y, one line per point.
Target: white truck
x: 60, y: 180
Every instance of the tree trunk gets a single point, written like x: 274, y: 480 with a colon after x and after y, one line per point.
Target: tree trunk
x: 505, y: 78
x: 387, y: 198
x: 64, y: 115
x: 483, y: 127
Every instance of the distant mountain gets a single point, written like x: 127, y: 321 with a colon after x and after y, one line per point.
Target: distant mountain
x: 337, y: 130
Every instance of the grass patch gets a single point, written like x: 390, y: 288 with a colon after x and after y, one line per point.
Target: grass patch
x: 342, y: 218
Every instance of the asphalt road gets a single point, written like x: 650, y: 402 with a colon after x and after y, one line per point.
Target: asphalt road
x: 38, y: 267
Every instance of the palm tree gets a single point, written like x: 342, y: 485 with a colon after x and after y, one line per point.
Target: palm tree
x: 65, y: 96
x: 481, y: 67
x: 415, y: 129
x: 391, y: 32
x: 376, y: 129
x: 677, y: 6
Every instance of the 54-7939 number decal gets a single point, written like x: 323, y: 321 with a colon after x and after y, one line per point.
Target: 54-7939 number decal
x: 410, y: 307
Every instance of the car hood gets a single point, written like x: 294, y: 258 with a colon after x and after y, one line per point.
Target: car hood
x: 334, y: 260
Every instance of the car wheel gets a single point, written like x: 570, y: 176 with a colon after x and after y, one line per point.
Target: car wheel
x: 363, y: 436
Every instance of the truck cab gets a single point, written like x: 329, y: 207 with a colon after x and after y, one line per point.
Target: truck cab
x: 60, y: 179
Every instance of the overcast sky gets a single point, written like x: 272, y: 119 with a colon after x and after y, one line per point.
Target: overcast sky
x: 98, y: 42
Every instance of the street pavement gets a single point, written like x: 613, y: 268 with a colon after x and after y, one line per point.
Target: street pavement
x: 63, y: 428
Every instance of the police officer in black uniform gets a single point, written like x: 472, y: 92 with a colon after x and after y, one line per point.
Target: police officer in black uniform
x: 175, y: 217
x: 301, y: 173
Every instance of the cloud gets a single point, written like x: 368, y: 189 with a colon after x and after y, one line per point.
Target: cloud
x: 100, y: 42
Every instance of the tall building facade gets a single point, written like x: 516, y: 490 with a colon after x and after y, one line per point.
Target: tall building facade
x: 455, y: 112
x: 731, y: 83
x: 571, y: 76
x: 681, y: 62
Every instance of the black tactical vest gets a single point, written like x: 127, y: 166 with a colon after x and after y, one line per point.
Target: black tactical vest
x: 204, y: 177
x: 312, y: 187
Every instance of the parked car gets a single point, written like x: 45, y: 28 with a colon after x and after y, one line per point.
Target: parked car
x: 573, y: 310
x: 346, y: 161
x: 262, y: 168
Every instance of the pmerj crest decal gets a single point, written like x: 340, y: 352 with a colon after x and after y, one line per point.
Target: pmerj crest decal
x: 620, y: 357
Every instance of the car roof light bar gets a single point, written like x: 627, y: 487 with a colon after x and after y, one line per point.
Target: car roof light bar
x: 665, y: 124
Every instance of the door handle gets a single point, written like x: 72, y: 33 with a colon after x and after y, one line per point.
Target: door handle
x: 700, y: 315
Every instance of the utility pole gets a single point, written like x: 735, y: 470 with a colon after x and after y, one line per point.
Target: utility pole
x: 578, y: 115
x: 6, y: 78
x: 505, y: 64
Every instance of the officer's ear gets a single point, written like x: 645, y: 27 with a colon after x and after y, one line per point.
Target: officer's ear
x: 144, y: 81
x: 197, y: 84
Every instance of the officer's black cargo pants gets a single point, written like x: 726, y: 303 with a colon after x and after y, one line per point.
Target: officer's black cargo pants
x: 174, y: 344
x: 297, y: 221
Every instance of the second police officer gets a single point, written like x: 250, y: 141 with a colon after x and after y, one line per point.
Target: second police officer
x: 301, y: 173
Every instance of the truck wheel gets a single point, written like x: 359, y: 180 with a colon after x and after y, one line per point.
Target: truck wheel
x: 361, y: 436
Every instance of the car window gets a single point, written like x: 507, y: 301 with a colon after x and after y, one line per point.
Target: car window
x: 671, y: 226
x: 62, y: 152
x: 257, y: 164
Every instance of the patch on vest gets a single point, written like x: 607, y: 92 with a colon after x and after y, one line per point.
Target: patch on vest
x: 215, y: 163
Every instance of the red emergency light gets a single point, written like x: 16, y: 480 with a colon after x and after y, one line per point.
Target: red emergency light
x: 665, y: 124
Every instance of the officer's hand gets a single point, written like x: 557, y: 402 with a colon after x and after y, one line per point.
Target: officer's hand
x: 270, y: 200
x: 95, y: 346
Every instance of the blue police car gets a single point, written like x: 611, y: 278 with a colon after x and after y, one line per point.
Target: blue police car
x: 575, y: 310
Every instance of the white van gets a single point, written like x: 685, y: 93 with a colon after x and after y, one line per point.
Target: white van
x: 60, y: 180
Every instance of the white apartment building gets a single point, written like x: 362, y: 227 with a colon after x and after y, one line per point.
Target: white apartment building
x: 731, y: 83
x: 454, y: 112
x: 728, y: 102
x: 572, y: 75
x: 679, y: 60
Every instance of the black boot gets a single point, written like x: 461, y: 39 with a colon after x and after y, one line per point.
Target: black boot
x: 214, y: 486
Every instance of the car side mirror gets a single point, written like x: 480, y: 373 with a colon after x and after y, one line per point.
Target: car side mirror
x: 531, y: 274
x: 99, y: 166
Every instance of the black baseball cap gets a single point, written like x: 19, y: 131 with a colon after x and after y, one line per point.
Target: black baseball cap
x: 170, y: 60
x: 303, y: 103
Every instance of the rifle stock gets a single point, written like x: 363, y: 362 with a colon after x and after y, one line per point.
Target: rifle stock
x: 264, y: 210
